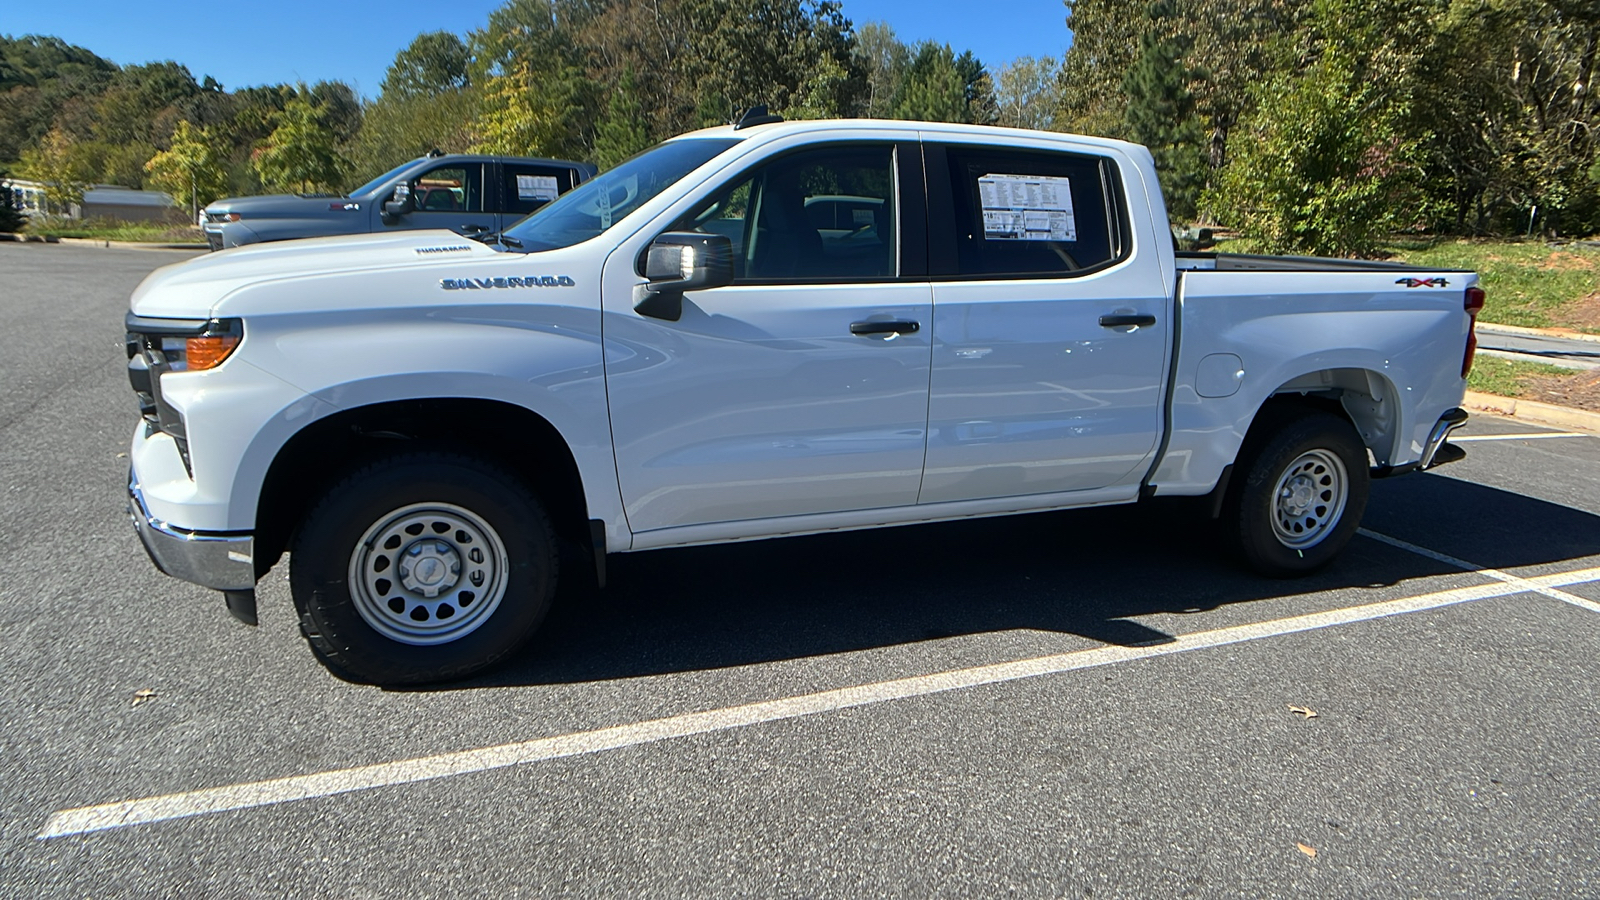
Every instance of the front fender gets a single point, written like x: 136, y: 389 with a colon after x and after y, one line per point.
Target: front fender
x: 543, y: 359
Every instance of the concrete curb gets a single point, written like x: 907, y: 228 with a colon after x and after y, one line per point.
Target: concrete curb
x: 1564, y: 333
x: 1534, y: 411
x: 127, y: 245
x: 8, y: 237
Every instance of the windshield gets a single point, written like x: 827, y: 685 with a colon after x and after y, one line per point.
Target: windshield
x: 588, y: 210
x: 373, y: 184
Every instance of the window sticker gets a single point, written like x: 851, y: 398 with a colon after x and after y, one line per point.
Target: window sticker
x: 1027, y: 208
x: 860, y: 217
x: 542, y: 188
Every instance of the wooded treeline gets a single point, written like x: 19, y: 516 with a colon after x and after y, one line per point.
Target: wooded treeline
x: 595, y: 80
x: 1324, y: 126
x: 1318, y: 126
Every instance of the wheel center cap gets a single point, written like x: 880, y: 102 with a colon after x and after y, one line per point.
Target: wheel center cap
x: 1299, y: 495
x: 429, y: 567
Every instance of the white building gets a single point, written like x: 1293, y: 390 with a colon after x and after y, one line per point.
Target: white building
x: 101, y: 201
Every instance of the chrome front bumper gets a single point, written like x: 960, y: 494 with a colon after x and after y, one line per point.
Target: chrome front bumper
x: 223, y: 562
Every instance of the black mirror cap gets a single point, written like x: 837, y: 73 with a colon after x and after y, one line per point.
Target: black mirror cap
x: 688, y: 261
x: 403, y: 202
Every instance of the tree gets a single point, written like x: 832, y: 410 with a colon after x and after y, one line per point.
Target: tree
x: 1026, y: 92
x: 883, y: 59
x: 57, y: 161
x: 434, y: 63
x: 299, y: 155
x: 1160, y: 114
x: 933, y: 90
x: 38, y: 77
x: 977, y: 89
x: 514, y: 119
x: 621, y: 133
x: 1331, y: 169
x: 190, y: 168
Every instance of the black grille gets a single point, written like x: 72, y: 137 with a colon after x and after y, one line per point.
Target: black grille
x: 214, y: 240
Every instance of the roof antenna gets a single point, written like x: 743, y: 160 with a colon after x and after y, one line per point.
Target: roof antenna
x: 435, y: 153
x: 757, y: 115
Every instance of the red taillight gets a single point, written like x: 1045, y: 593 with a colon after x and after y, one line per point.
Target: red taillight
x: 1473, y: 304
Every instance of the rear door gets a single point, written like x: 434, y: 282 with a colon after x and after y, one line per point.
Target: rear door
x: 1050, y: 326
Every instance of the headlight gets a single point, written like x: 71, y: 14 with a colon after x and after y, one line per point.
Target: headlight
x: 204, y: 351
x: 219, y: 217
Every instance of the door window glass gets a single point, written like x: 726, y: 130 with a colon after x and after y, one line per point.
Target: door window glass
x: 826, y: 214
x: 1031, y: 213
x: 447, y: 189
x: 529, y: 187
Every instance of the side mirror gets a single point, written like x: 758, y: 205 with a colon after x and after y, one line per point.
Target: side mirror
x: 680, y: 261
x: 401, y: 204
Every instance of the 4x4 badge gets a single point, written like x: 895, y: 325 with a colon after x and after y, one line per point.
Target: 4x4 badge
x: 530, y: 281
x: 1422, y: 282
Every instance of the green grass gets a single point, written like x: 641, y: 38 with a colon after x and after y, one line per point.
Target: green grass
x: 1528, y: 284
x: 1507, y: 377
x: 106, y: 230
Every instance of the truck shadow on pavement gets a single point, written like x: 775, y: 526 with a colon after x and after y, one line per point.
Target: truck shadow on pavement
x: 1085, y: 573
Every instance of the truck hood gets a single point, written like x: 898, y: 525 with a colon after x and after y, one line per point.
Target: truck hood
x: 283, y: 206
x: 192, y: 289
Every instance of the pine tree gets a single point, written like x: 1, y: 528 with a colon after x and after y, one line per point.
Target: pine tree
x: 1161, y: 115
x: 621, y: 132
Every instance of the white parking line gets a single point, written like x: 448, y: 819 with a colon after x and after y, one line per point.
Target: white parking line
x: 1538, y: 586
x: 1517, y: 437
x: 166, y: 807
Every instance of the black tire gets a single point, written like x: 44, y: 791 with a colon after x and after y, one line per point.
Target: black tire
x: 475, y: 521
x: 1282, y: 513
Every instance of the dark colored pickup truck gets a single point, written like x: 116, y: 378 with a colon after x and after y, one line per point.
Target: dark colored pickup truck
x: 465, y: 193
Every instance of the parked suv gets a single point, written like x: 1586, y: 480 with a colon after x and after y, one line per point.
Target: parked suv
x: 467, y: 194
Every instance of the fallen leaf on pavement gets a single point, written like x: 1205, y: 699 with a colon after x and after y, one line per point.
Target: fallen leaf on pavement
x: 142, y: 695
x: 1308, y: 713
x: 1309, y: 851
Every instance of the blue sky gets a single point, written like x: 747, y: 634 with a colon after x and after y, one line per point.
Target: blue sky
x: 248, y: 43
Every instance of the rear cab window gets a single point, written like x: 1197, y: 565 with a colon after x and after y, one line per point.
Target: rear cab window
x: 526, y: 188
x: 1023, y: 213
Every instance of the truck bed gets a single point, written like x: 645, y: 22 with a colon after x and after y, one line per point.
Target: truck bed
x: 1245, y: 262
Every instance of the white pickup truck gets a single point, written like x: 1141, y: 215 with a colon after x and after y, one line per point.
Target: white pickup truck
x: 752, y: 331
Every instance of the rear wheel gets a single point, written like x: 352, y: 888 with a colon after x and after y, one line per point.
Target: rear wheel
x: 420, y: 568
x: 1299, y: 493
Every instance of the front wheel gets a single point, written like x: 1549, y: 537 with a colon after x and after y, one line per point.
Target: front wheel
x: 421, y: 568
x: 1298, y: 494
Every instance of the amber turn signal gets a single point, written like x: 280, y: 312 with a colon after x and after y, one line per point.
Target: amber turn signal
x: 208, y: 351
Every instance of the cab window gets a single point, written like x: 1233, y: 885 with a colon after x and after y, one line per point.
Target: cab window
x: 825, y: 214
x: 453, y: 188
x: 526, y: 188
x: 1039, y: 214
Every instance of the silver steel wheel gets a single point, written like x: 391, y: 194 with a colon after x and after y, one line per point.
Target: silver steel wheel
x: 428, y: 573
x: 1309, y: 498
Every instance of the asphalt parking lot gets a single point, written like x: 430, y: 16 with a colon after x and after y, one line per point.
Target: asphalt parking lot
x: 1093, y: 704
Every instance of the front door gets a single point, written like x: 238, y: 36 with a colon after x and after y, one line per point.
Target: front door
x: 449, y: 196
x: 762, y: 401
